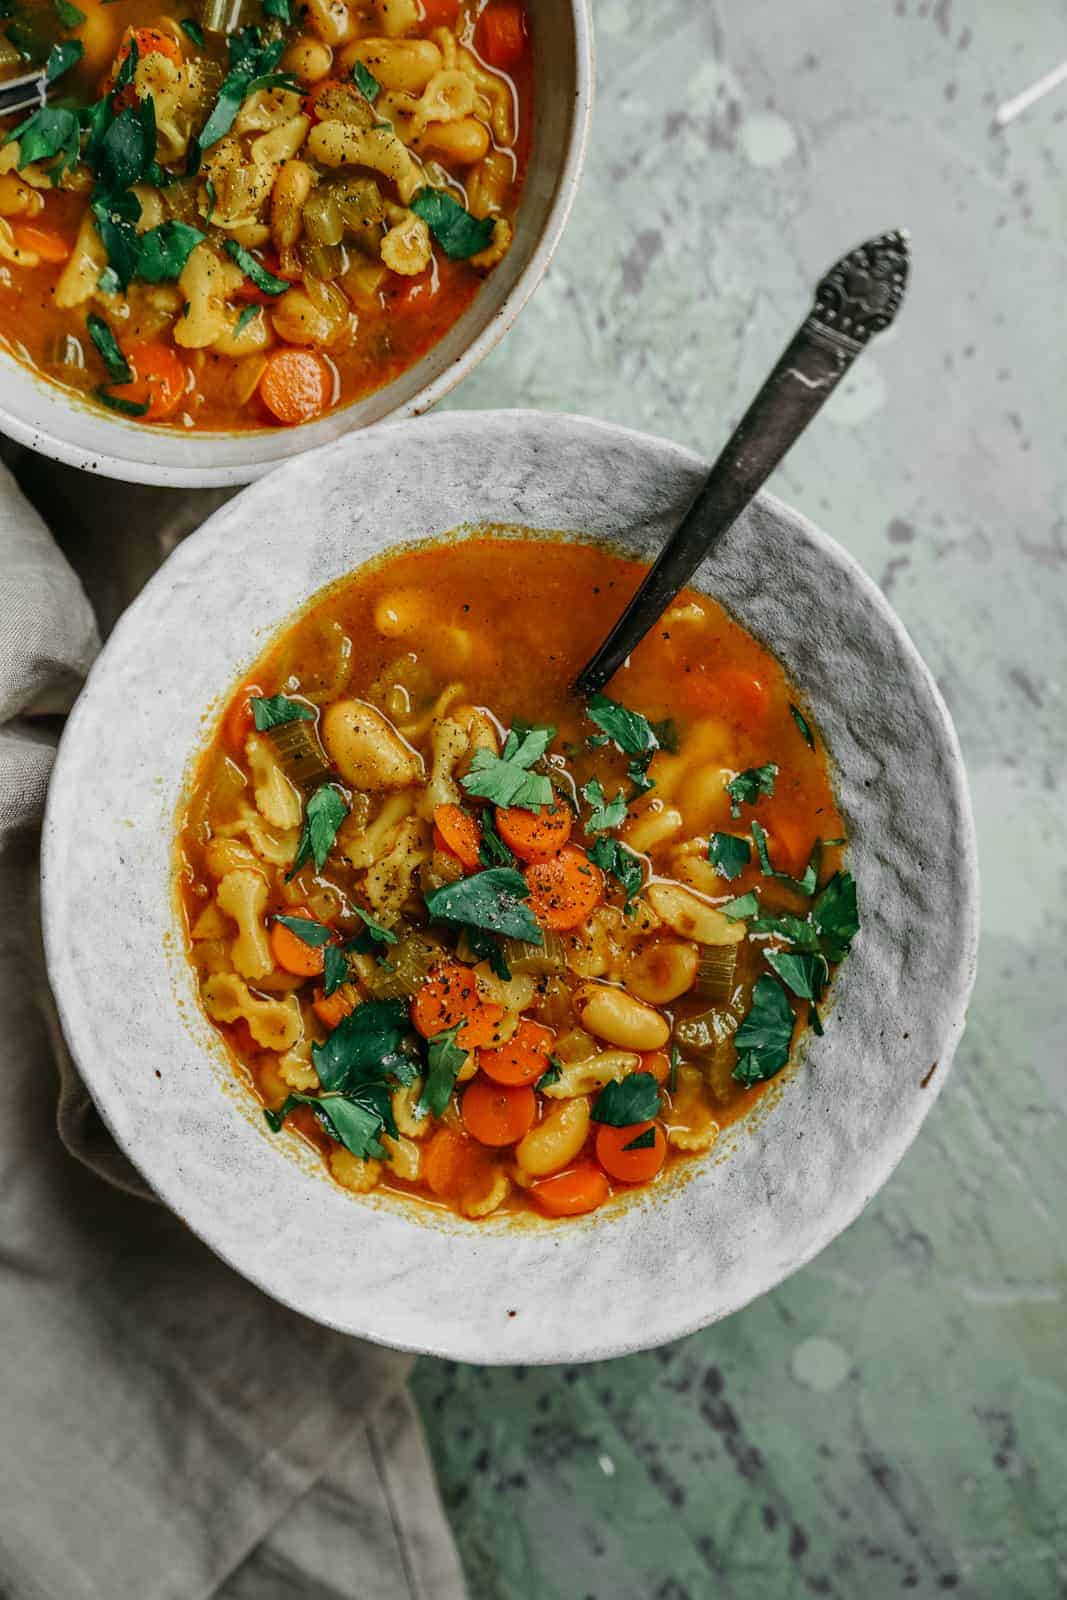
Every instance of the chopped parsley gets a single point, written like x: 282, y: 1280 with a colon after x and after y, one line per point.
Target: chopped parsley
x: 835, y: 914
x: 765, y: 1034
x: 244, y: 319
x: 335, y: 970
x: 375, y: 932
x: 492, y: 900
x: 255, y: 270
x: 745, y: 905
x: 274, y: 711
x: 552, y: 1074
x: 632, y: 1099
x: 445, y: 1059
x: 613, y: 857
x: 69, y: 16
x: 164, y: 250
x: 505, y: 779
x: 672, y: 1078
x: 632, y: 732
x: 62, y: 57
x: 746, y: 788
x: 325, y: 812
x: 458, y: 233
x: 805, y: 974
x: 252, y: 65
x: 492, y: 852
x: 802, y: 723
x: 307, y: 931
x: 366, y: 82
x: 804, y: 885
x: 118, y: 368
x: 485, y: 946
x: 192, y: 30
x: 642, y: 1141
x: 606, y: 813
x: 728, y: 854
x: 51, y: 134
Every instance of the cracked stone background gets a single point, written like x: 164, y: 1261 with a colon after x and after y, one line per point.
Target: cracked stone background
x: 893, y: 1418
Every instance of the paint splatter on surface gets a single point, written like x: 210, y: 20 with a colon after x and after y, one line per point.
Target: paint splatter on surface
x: 893, y: 1419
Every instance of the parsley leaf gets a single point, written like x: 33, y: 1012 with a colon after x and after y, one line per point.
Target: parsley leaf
x: 118, y: 402
x: 802, y: 723
x: 444, y: 1060
x: 378, y: 934
x: 667, y: 735
x: 643, y: 1141
x: 728, y: 854
x: 458, y: 233
x: 632, y: 732
x: 244, y: 319
x: 552, y: 1074
x: 804, y: 885
x: 164, y: 250
x: 365, y: 1046
x: 115, y: 216
x: 806, y: 975
x: 251, y: 67
x: 745, y: 905
x: 492, y: 852
x: 764, y: 1037
x: 492, y: 900
x: 274, y: 711
x: 747, y: 787
x: 54, y: 131
x: 611, y: 856
x: 505, y: 779
x: 335, y: 970
x: 193, y: 31
x: 118, y: 368
x: 356, y: 1122
x: 630, y: 1100
x: 487, y: 947
x: 69, y: 16
x: 280, y: 9
x: 255, y: 270
x: 606, y: 813
x: 800, y: 931
x: 836, y: 916
x: 62, y: 57
x: 306, y: 930
x: 126, y: 149
x: 366, y: 82
x: 637, y: 772
x: 676, y: 1057
x: 325, y: 812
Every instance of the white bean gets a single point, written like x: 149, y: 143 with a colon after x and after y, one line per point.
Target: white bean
x: 660, y: 972
x: 366, y: 749
x: 620, y: 1018
x: 692, y: 917
x: 556, y: 1139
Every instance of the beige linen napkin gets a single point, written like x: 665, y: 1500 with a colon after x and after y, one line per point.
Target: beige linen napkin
x: 168, y: 1432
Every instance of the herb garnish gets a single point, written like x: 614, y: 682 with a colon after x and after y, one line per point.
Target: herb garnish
x: 164, y: 250
x: 613, y: 857
x: 802, y: 723
x: 118, y: 368
x: 244, y: 319
x: 193, y: 30
x: 632, y: 1099
x: 492, y: 900
x: 255, y: 270
x: 672, y: 1078
x: 69, y: 16
x: 324, y: 814
x: 252, y: 65
x: 747, y: 787
x: 744, y: 905
x: 728, y: 854
x: 492, y: 852
x: 606, y: 813
x: 764, y: 1037
x: 378, y: 934
x: 118, y: 402
x: 274, y: 711
x: 62, y: 57
x: 280, y: 9
x: 805, y: 974
x: 307, y: 931
x: 52, y: 131
x: 552, y: 1074
x: 366, y: 82
x: 632, y: 732
x: 335, y: 970
x: 642, y: 1141
x: 458, y: 233
x: 506, y: 779
x: 445, y: 1059
x: 485, y: 946
x: 804, y: 885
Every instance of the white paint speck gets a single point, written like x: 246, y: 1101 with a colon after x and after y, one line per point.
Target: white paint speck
x: 820, y: 1364
x: 767, y: 139
x: 606, y: 1465
x: 859, y: 396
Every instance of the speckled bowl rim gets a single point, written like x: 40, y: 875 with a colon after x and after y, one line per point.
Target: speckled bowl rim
x: 42, y: 416
x: 604, y: 1286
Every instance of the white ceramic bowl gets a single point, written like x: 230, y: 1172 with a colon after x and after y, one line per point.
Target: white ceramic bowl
x: 48, y: 419
x: 667, y: 1263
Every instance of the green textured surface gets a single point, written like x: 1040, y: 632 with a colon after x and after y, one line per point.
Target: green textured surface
x: 893, y: 1418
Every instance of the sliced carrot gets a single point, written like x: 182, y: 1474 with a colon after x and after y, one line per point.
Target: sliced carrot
x: 630, y: 1166
x: 290, y: 951
x: 658, y: 1063
x: 160, y: 378
x: 496, y: 1114
x: 534, y: 835
x: 500, y: 36
x: 43, y: 242
x: 295, y: 386
x: 564, y: 890
x: 332, y: 1009
x: 452, y: 1163
x: 450, y: 996
x: 439, y: 13
x: 523, y: 1059
x: 569, y: 1194
x: 457, y: 832
x: 240, y: 719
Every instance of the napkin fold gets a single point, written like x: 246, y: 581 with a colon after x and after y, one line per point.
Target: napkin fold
x: 170, y: 1433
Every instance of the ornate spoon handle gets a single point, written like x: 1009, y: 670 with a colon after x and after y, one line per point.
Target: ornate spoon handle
x: 857, y: 299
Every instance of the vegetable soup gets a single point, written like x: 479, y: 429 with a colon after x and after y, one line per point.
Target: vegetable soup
x: 250, y: 213
x: 489, y: 946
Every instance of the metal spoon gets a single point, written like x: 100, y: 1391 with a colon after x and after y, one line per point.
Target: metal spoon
x: 858, y: 298
x: 26, y: 93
